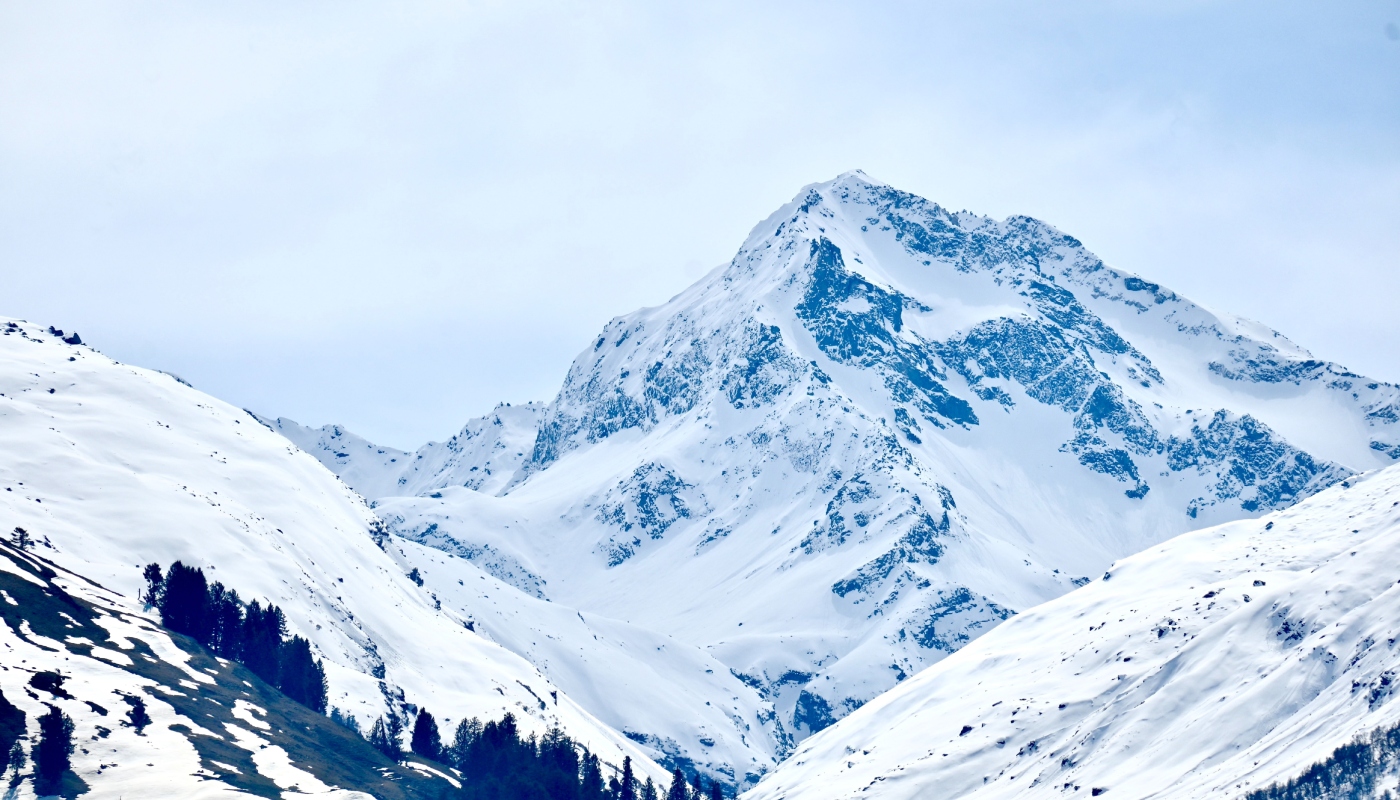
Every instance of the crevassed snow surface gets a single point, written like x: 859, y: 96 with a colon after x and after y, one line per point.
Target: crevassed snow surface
x: 878, y: 432
x: 1220, y: 662
x: 111, y: 467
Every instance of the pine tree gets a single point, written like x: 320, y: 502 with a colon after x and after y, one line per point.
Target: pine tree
x: 426, y: 742
x: 263, y: 631
x: 629, y: 781
x: 155, y: 584
x: 17, y: 758
x: 395, y: 729
x: 346, y: 720
x: 591, y: 781
x: 53, y: 754
x: 12, y: 727
x: 697, y: 787
x: 716, y: 791
x: 226, y: 622
x: 300, y: 676
x: 184, y: 603
x: 649, y: 790
x: 21, y: 539
x: 467, y: 732
x: 381, y: 739
x: 678, y: 789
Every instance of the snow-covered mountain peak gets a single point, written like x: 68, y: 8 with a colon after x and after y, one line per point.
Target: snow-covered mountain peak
x: 878, y: 432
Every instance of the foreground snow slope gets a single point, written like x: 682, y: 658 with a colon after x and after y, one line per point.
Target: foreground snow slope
x: 1219, y: 662
x: 876, y: 433
x: 215, y: 729
x: 111, y: 467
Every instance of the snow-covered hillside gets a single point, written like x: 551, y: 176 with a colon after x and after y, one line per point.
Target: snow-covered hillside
x: 206, y: 728
x: 110, y: 467
x: 877, y: 433
x: 1217, y: 663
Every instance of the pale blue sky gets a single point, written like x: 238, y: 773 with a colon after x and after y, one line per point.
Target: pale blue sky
x: 394, y: 215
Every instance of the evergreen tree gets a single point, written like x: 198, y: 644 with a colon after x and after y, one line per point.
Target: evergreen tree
x: 467, y: 732
x: 629, y: 781
x: 184, y: 603
x: 394, y: 726
x: 716, y: 791
x: 649, y: 790
x: 381, y: 739
x: 53, y: 754
x: 226, y: 622
x: 496, y: 764
x: 678, y: 789
x: 425, y: 741
x: 559, y: 764
x: 300, y: 676
x: 155, y: 584
x: 17, y: 758
x: 21, y: 539
x: 256, y: 637
x: 12, y: 727
x: 346, y: 720
x: 697, y: 787
x: 263, y: 631
x: 591, y: 781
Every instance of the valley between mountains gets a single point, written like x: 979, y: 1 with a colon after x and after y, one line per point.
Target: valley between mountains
x: 899, y: 502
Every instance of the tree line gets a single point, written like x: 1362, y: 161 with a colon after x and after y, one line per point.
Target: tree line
x: 493, y: 759
x: 251, y: 634
x: 495, y: 762
x: 1365, y: 767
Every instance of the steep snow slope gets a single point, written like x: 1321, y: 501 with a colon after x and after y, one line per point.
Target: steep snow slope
x: 110, y: 467
x: 878, y: 432
x: 1219, y: 662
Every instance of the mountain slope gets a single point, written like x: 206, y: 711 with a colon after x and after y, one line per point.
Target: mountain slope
x: 878, y: 432
x: 1215, y: 664
x: 211, y: 729
x: 109, y: 467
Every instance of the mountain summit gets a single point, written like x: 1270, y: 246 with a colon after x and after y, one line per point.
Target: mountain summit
x: 879, y: 431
